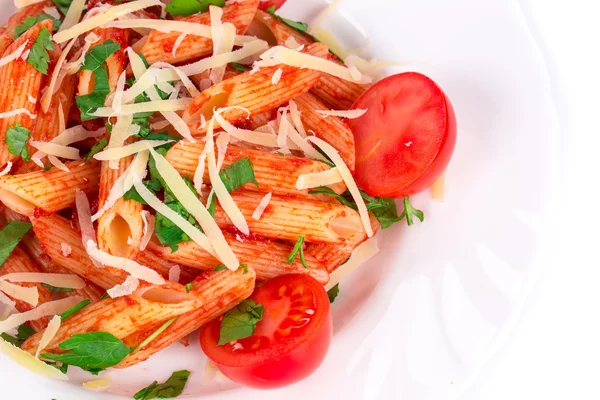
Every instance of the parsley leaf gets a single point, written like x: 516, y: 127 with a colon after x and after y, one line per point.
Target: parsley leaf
x: 299, y: 26
x: 220, y: 268
x: 154, y: 335
x: 240, y: 67
x: 93, y: 351
x: 76, y: 308
x: 184, y: 8
x: 298, y: 249
x: 10, y: 236
x: 238, y: 174
x: 16, y: 140
x: 31, y: 21
x: 38, y: 56
x: 55, y: 289
x: 173, y: 387
x: 188, y: 287
x: 97, y: 148
x: 410, y: 211
x: 97, y: 55
x: 333, y: 293
x: 24, y: 332
x: 88, y: 103
x: 63, y: 5
x: 240, y: 322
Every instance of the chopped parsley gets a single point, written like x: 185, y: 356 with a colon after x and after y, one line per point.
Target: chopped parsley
x: 173, y: 387
x: 97, y: 148
x: 10, y: 236
x: 298, y: 250
x: 57, y: 289
x: 97, y: 55
x: 31, y: 21
x: 16, y: 141
x: 38, y: 55
x: 24, y: 332
x: 89, y: 103
x: 75, y: 309
x: 333, y: 292
x: 188, y: 287
x: 240, y: 67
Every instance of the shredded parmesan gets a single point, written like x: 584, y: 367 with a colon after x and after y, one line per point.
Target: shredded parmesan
x: 148, y: 221
x: 187, y: 82
x: 52, y: 11
x: 31, y: 98
x: 175, y: 273
x: 177, y: 43
x: 14, y: 55
x: 73, y: 15
x: 199, y: 173
x: 56, y: 280
x: 49, y: 333
x: 350, y: 114
x: 118, y: 97
x: 125, y: 288
x: 7, y: 168
x: 360, y: 255
x: 84, y: 217
x: 292, y: 43
x: 350, y: 183
x: 133, y: 148
x: 261, y: 207
x: 65, y: 249
x: 300, y: 141
x: 276, y: 76
x: 325, y: 178
x: 18, y: 111
x: 4, y: 299
x: 57, y: 150
x: 25, y: 3
x: 30, y: 362
x: 296, y: 116
x: 27, y: 294
x: 148, y: 106
x: 57, y: 77
x: 98, y: 385
x: 57, y: 163
x: 47, y: 309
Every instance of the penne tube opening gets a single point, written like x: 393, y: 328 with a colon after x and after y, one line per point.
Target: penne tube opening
x: 118, y: 236
x: 166, y: 296
x: 346, y: 225
x: 17, y: 203
x: 206, y: 107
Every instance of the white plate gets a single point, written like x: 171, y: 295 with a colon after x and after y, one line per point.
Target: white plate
x: 419, y: 320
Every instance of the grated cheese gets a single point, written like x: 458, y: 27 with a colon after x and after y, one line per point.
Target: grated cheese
x: 276, y: 76
x: 27, y: 294
x: 73, y: 15
x: 56, y: 280
x: 125, y: 288
x: 350, y: 114
x: 57, y: 77
x: 30, y: 362
x: 261, y: 207
x: 25, y: 3
x: 359, y: 256
x: 18, y: 111
x: 98, y: 385
x: 7, y: 168
x: 48, y: 335
x: 149, y: 106
x: 65, y: 249
x: 187, y: 82
x: 175, y: 273
x: 118, y: 97
x: 52, y: 11
x: 57, y: 163
x: 292, y: 43
x: 148, y: 221
x: 195, y: 207
x: 325, y: 178
x: 47, y: 309
x: 302, y: 143
x: 57, y: 150
x: 14, y: 55
x: 177, y: 43
x: 4, y: 299
x: 127, y: 150
x: 348, y: 179
x: 296, y: 116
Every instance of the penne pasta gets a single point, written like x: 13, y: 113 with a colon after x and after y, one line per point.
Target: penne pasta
x: 159, y: 45
x: 163, y: 265
x: 53, y: 232
x: 287, y: 218
x: 184, y: 157
x: 217, y: 291
x: 19, y: 261
x: 267, y: 258
x: 17, y: 18
x: 45, y: 192
x: 253, y: 91
x: 25, y: 81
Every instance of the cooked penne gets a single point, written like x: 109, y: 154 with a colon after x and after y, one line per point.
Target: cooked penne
x: 25, y: 81
x: 17, y: 18
x: 50, y: 191
x: 184, y: 157
x: 335, y: 92
x: 254, y: 92
x: 217, y: 292
x: 267, y: 258
x: 159, y: 45
x: 331, y: 129
x: 5, y: 40
x: 53, y: 232
x: 124, y: 315
x: 287, y: 218
x: 19, y: 261
x: 47, y: 124
x: 163, y: 265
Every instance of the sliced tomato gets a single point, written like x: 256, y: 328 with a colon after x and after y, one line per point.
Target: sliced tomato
x: 406, y: 138
x: 266, y: 4
x: 289, y: 343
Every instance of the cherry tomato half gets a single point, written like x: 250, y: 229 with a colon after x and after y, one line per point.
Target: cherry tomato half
x: 406, y: 138
x: 265, y: 5
x: 289, y: 343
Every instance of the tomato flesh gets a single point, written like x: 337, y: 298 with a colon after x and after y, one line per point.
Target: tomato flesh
x: 406, y: 138
x: 289, y: 343
x: 265, y: 5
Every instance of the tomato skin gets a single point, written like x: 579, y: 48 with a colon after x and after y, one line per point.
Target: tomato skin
x: 277, y: 3
x: 283, y: 362
x: 415, y: 126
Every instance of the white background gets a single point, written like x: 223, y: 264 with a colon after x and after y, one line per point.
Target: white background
x: 555, y: 350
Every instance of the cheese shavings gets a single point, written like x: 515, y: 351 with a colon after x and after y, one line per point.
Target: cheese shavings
x: 149, y: 106
x: 300, y: 141
x: 14, y: 55
x: 334, y: 156
x: 282, y: 54
x: 102, y: 18
x: 18, y: 111
x: 27, y: 294
x: 175, y: 273
x: 57, y: 150
x: 124, y: 183
x: 187, y: 82
x: 177, y: 43
x: 56, y: 307
x: 225, y: 199
x: 296, y: 116
x: 49, y: 333
x: 137, y: 270
x: 276, y: 76
x: 133, y: 148
x: 57, y: 77
x: 98, y: 385
x: 350, y: 114
x: 7, y: 168
x: 125, y: 288
x: 261, y: 207
x: 223, y: 37
x: 30, y: 362
x: 73, y: 15
x: 359, y: 256
x: 118, y: 97
x: 25, y: 3
x: 4, y: 299
x: 148, y: 221
x: 56, y: 280
x: 195, y: 207
x: 120, y: 133
x: 325, y: 178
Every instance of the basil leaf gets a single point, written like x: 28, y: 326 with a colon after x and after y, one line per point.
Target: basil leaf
x: 57, y: 289
x: 16, y: 141
x: 240, y: 67
x: 178, y: 8
x: 238, y: 174
x: 76, y: 308
x: 63, y: 5
x: 89, y: 103
x: 220, y: 268
x: 333, y: 293
x: 173, y: 387
x: 97, y: 148
x: 24, y: 332
x: 97, y: 55
x: 298, y: 250
x: 93, y: 351
x: 169, y: 234
x: 10, y: 236
x: 240, y: 322
x: 31, y: 21
x: 38, y: 56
